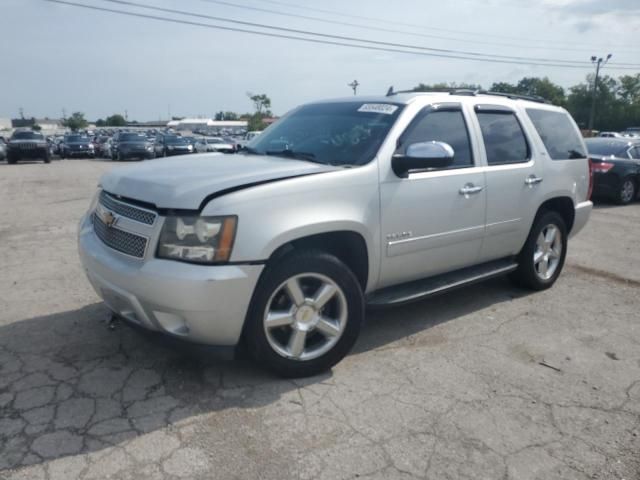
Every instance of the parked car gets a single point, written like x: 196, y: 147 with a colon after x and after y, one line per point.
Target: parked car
x: 3, y: 149
x: 169, y: 145
x: 26, y: 144
x: 609, y: 134
x: 132, y: 145
x: 98, y: 145
x: 76, y: 145
x: 214, y: 144
x: 616, y: 168
x: 342, y: 203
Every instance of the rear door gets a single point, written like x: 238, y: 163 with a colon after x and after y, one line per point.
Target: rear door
x: 514, y: 177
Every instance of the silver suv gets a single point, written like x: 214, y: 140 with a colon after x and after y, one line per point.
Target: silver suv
x: 340, y: 204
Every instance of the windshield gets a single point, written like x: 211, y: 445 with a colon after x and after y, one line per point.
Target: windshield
x: 27, y: 136
x: 132, y: 137
x: 76, y: 139
x: 213, y: 140
x: 596, y: 147
x: 342, y: 133
x: 175, y: 140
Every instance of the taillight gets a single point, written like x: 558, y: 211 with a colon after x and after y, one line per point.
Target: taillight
x: 601, y: 167
x: 590, y: 178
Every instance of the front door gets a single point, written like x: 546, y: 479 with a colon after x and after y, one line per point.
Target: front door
x: 433, y: 221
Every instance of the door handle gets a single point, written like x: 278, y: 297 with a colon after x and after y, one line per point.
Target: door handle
x: 470, y: 189
x: 532, y: 180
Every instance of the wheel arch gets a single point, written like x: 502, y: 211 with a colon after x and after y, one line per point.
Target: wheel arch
x: 348, y: 246
x: 563, y: 205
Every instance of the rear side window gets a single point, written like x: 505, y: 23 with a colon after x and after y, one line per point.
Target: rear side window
x: 446, y: 126
x: 557, y: 133
x: 504, y: 140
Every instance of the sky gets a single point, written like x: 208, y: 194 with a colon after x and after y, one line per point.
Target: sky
x: 58, y: 57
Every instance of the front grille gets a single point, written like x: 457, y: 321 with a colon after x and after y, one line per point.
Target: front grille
x: 27, y: 146
x: 127, y: 210
x: 124, y: 242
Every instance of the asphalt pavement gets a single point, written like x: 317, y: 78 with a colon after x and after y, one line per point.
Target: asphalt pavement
x: 488, y: 382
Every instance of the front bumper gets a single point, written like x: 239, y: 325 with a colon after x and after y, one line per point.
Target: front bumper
x: 127, y: 154
x: 204, y: 304
x: 582, y: 212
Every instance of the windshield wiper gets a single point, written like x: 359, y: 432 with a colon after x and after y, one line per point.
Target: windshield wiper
x: 292, y: 154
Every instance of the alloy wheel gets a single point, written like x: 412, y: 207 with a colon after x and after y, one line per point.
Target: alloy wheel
x: 546, y: 256
x: 305, y: 316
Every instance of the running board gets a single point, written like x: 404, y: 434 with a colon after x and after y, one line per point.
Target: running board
x: 428, y: 287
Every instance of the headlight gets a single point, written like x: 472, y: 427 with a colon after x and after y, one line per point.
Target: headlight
x: 190, y: 147
x: 150, y: 148
x: 197, y: 239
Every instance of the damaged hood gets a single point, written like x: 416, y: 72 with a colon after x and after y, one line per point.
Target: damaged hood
x: 184, y: 182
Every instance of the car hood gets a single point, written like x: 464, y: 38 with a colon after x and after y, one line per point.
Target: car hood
x: 184, y: 182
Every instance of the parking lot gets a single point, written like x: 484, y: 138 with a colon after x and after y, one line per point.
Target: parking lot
x: 488, y: 382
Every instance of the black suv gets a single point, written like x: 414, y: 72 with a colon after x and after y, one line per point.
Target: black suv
x: 128, y: 145
x: 76, y: 145
x: 26, y: 144
x: 168, y: 145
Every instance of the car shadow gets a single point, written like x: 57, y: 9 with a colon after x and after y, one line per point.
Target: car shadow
x: 71, y: 384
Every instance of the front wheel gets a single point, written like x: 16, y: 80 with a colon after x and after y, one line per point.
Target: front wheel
x: 542, y: 257
x: 305, y: 314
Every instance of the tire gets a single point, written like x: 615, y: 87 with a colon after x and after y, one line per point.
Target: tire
x: 120, y: 157
x: 12, y: 160
x: 47, y: 158
x: 325, y: 340
x: 530, y: 274
x: 627, y: 191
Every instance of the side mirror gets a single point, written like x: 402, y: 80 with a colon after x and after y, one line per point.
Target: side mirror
x: 423, y: 156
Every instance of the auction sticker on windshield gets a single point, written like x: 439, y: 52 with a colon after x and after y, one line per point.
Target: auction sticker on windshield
x: 384, y: 108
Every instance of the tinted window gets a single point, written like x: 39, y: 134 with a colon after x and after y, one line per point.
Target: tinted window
x: 557, y: 133
x: 504, y: 140
x: 26, y: 135
x: 132, y: 137
x: 602, y: 146
x: 443, y: 126
x: 635, y: 152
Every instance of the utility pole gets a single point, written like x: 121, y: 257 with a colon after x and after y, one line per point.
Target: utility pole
x: 22, y: 113
x: 599, y: 63
x: 354, y: 86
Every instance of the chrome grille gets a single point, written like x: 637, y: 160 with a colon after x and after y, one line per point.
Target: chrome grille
x: 124, y: 242
x: 127, y: 210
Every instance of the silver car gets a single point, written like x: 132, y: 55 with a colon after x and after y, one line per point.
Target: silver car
x: 342, y: 203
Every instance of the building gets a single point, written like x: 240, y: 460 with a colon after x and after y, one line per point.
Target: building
x: 206, y: 124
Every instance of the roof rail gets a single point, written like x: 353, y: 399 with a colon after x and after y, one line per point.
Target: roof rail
x: 471, y: 92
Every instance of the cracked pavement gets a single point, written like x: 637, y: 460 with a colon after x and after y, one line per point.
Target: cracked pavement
x: 488, y: 382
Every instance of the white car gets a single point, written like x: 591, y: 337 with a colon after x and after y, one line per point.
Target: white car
x: 214, y: 144
x: 342, y: 203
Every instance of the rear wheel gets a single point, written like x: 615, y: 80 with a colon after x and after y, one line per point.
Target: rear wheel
x: 627, y: 191
x: 47, y: 158
x: 305, y: 314
x: 542, y: 257
x: 12, y: 159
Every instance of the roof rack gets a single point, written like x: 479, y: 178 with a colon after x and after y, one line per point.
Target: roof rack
x: 473, y: 93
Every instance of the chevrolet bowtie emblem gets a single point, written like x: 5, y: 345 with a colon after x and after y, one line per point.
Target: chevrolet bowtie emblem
x: 107, y: 217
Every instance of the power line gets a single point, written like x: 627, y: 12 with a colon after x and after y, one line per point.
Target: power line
x: 388, y: 30
x: 311, y: 40
x: 422, y: 27
x: 540, y: 61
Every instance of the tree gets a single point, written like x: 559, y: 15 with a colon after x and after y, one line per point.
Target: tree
x: 542, y: 87
x: 115, y: 120
x: 261, y: 103
x: 443, y: 86
x: 36, y: 127
x: 76, y: 121
x: 101, y: 123
x: 503, y: 87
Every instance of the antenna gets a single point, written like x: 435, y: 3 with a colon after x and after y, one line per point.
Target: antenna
x: 354, y: 85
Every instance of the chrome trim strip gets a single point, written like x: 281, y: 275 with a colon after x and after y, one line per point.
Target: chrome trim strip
x: 434, y: 235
